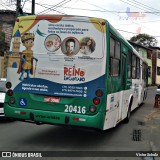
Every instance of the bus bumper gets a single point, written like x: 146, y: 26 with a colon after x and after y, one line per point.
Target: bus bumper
x: 55, y: 118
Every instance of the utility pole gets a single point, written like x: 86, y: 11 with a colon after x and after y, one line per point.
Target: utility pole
x: 33, y: 6
x: 18, y: 7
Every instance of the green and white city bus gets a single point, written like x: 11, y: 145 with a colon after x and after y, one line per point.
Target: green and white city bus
x: 72, y: 70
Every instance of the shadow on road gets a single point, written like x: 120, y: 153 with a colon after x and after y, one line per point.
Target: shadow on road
x: 58, y: 137
x: 6, y: 120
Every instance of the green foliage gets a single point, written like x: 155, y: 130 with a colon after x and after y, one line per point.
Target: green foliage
x: 145, y: 40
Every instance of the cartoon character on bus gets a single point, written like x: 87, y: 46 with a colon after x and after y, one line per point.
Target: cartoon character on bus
x: 26, y: 57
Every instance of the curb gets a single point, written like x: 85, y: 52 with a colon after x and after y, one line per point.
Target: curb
x: 151, y: 87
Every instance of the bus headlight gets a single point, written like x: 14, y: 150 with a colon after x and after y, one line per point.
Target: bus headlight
x: 92, y: 108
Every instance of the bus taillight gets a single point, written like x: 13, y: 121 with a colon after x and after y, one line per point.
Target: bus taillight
x: 96, y: 101
x: 8, y: 85
x: 9, y: 92
x: 99, y: 93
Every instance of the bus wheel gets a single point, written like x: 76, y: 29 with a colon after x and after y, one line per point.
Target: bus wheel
x: 145, y: 95
x: 126, y: 120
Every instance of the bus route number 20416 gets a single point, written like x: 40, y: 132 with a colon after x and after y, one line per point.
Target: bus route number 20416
x: 75, y: 109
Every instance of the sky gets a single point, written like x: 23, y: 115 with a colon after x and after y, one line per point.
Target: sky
x: 129, y: 17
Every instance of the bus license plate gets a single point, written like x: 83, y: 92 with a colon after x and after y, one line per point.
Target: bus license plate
x: 52, y: 99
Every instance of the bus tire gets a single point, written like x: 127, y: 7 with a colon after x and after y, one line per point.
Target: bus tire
x: 126, y: 120
x: 145, y: 96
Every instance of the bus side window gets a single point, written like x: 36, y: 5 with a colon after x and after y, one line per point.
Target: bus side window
x: 114, y: 57
x: 129, y: 64
x: 138, y: 68
x: 133, y: 66
x: 110, y: 65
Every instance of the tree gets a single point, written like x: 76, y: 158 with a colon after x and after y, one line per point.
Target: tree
x: 145, y: 40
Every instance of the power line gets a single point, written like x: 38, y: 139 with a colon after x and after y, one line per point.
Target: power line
x: 141, y: 22
x: 116, y: 14
x: 96, y: 10
x: 146, y: 6
x: 125, y: 31
x: 24, y: 4
x: 53, y: 7
x: 131, y: 32
x: 135, y: 22
x: 4, y: 5
x: 137, y: 6
x: 68, y: 4
x: 57, y: 6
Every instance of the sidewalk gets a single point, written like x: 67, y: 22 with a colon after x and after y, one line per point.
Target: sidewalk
x: 152, y: 87
x: 152, y: 121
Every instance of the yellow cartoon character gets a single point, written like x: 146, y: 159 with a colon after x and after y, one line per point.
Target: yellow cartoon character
x: 26, y: 58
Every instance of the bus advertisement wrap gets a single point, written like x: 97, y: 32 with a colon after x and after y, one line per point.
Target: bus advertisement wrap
x: 58, y: 57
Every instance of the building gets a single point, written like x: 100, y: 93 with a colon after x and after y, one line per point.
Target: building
x: 156, y: 65
x: 7, y: 20
x: 1, y: 66
x: 146, y: 53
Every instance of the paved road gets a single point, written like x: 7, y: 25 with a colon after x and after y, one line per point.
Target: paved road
x: 140, y: 134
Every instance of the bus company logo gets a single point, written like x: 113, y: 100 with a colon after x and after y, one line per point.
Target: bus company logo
x: 74, y: 74
x: 6, y: 154
x: 129, y: 15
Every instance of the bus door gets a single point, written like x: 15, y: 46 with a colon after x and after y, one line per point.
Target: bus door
x: 124, y: 71
x: 123, y: 83
x: 141, y: 87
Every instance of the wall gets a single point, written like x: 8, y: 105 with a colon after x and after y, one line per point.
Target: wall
x: 154, y: 66
x: 7, y: 20
x: 143, y: 53
x: 158, y: 65
x: 1, y: 66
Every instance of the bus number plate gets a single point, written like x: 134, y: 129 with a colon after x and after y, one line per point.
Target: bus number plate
x: 75, y: 109
x: 52, y: 99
